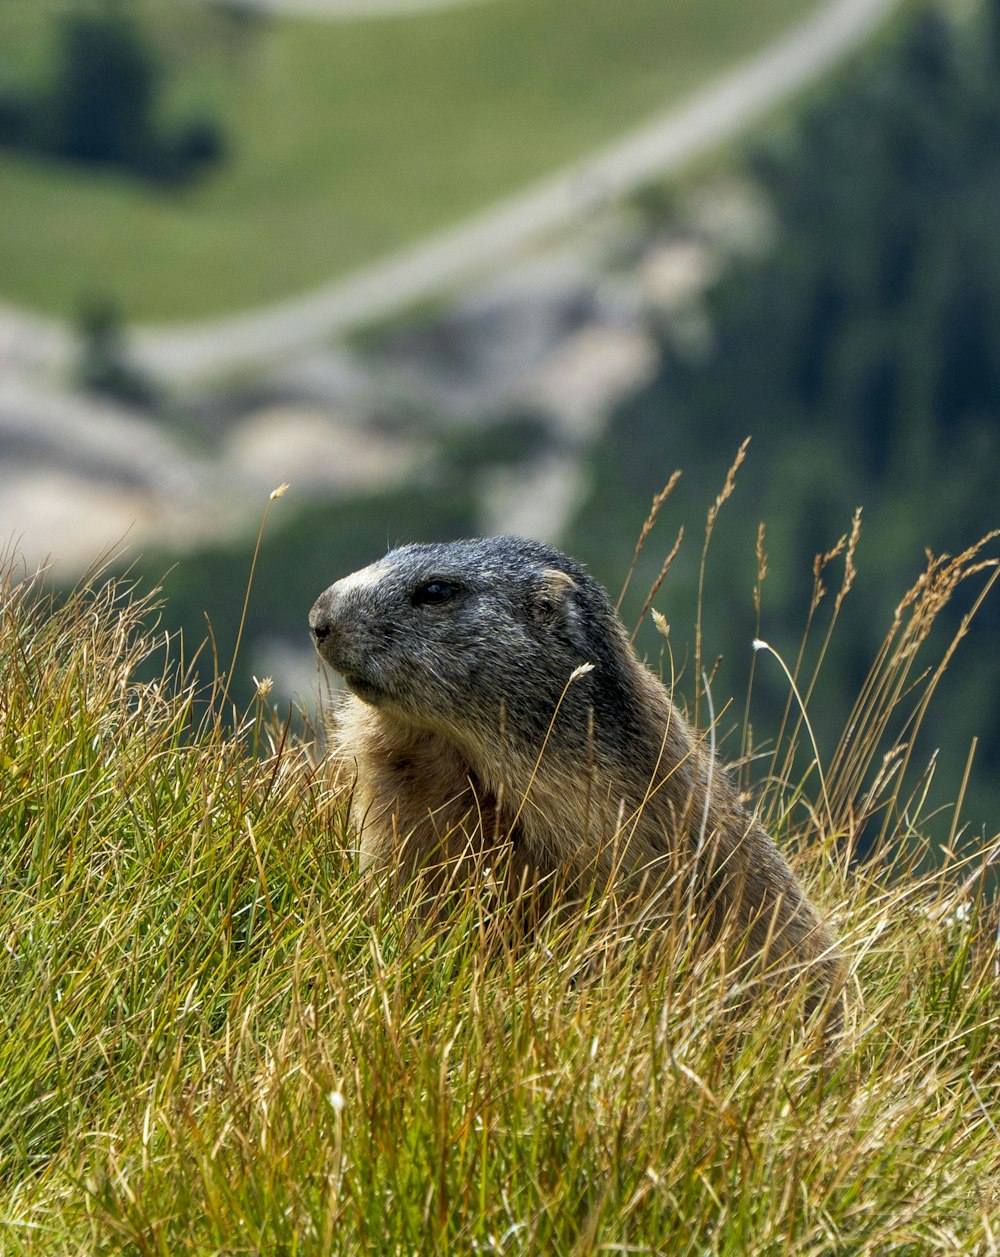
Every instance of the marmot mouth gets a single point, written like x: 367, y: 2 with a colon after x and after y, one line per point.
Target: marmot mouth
x: 364, y: 688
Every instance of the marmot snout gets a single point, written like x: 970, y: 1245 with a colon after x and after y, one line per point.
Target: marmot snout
x: 471, y: 721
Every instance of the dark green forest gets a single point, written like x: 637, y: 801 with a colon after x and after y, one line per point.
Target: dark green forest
x: 862, y: 355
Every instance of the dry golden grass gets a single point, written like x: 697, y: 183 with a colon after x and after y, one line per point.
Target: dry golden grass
x: 207, y: 1047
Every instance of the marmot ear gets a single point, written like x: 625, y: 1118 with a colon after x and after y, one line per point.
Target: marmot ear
x: 553, y: 604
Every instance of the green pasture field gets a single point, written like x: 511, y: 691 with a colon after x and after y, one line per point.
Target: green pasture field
x: 349, y: 139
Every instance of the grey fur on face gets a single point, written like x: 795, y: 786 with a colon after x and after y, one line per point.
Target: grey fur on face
x: 443, y: 624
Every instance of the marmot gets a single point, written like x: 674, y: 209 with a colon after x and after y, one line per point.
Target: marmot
x: 496, y: 700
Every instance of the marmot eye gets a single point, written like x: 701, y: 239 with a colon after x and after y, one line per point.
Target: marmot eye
x: 433, y: 592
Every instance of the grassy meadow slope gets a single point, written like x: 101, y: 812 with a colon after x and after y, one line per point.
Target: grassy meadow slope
x: 210, y: 1047
x: 349, y: 139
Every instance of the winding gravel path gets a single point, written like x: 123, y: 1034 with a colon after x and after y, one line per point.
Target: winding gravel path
x: 197, y: 350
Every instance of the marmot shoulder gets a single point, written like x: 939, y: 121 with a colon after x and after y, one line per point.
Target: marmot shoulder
x: 496, y: 699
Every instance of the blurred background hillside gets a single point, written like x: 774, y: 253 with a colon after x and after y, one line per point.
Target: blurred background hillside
x: 825, y: 281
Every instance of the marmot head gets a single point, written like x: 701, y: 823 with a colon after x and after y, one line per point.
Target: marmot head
x: 448, y: 636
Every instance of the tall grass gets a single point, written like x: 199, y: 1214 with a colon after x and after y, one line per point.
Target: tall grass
x: 214, y: 1041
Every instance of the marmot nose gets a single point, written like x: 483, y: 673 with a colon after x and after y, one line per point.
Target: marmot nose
x: 321, y: 618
